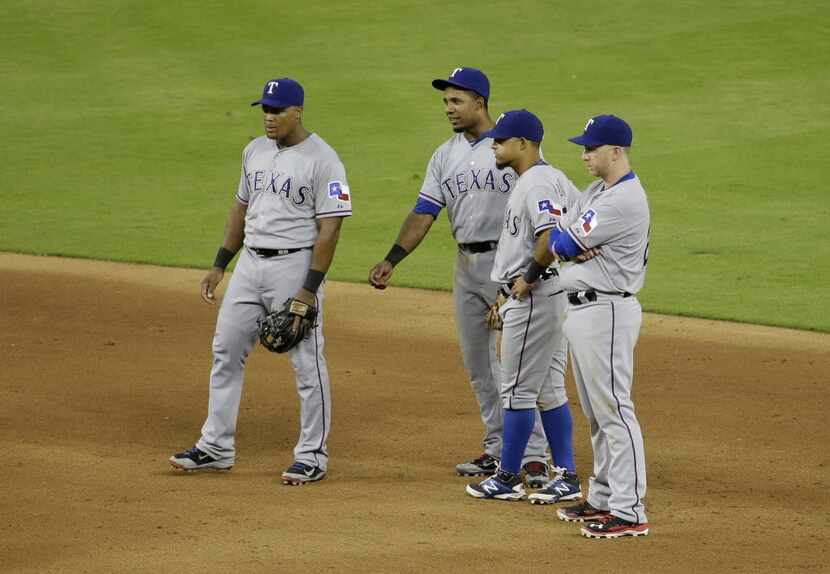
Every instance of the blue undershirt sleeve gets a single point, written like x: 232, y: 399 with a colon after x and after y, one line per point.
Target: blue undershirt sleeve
x: 563, y: 244
x: 427, y: 207
x: 554, y: 234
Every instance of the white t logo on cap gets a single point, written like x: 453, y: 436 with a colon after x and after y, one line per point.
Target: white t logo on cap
x: 271, y: 86
x: 455, y: 71
x: 588, y: 124
x: 500, y: 118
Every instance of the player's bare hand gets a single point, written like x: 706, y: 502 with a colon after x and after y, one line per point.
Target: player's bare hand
x: 588, y: 255
x: 380, y: 275
x: 521, y: 288
x: 306, y: 297
x: 209, y: 283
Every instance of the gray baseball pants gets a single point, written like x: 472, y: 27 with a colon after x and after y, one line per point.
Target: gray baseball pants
x: 258, y: 286
x: 602, y: 337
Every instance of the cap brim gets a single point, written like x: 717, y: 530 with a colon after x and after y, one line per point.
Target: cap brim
x: 444, y: 84
x: 495, y: 134
x: 274, y: 103
x: 503, y: 135
x: 584, y: 140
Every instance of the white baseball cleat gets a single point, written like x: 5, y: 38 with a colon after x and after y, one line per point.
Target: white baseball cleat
x: 197, y: 459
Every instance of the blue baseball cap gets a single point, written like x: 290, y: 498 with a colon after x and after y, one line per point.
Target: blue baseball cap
x: 466, y: 79
x: 517, y: 124
x: 605, y: 130
x: 281, y: 93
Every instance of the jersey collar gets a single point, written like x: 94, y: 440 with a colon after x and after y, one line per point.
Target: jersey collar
x: 295, y: 146
x: 626, y: 177
x: 474, y: 143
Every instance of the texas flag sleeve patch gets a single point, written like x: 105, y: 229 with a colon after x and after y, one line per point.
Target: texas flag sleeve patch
x: 338, y: 190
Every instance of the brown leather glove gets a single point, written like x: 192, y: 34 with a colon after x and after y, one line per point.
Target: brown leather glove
x: 493, y: 319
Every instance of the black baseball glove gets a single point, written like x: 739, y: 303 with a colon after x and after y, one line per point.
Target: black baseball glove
x: 281, y: 330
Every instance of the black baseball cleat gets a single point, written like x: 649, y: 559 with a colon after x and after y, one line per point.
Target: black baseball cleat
x: 614, y: 527
x: 582, y: 512
x: 300, y: 473
x: 197, y: 459
x: 485, y: 465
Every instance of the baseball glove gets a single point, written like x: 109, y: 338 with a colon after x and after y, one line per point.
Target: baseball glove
x: 282, y: 330
x: 493, y: 319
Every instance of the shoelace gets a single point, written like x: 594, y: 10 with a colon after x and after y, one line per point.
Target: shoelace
x: 559, y: 477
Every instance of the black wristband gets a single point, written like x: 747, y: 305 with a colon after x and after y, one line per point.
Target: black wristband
x: 396, y: 254
x: 533, y: 272
x: 223, y: 257
x: 313, y: 280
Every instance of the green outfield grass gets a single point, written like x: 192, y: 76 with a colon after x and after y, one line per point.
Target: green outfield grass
x: 123, y: 124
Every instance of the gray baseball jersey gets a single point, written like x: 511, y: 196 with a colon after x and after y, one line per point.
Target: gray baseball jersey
x: 463, y: 178
x: 617, y: 219
x: 603, y: 332
x: 542, y: 196
x: 287, y: 189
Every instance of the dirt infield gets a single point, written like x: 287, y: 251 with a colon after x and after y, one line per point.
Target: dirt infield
x: 104, y: 375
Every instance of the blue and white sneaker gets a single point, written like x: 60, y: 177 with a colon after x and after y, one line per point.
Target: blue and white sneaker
x: 561, y: 489
x: 501, y: 486
x: 197, y: 459
x: 300, y: 473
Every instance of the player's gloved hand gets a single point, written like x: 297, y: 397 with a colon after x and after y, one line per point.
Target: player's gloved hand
x: 209, y: 283
x: 493, y: 319
x: 380, y: 274
x: 282, y: 330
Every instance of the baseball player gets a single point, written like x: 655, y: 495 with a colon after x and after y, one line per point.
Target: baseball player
x: 463, y: 178
x: 532, y: 315
x: 603, y: 323
x: 286, y: 219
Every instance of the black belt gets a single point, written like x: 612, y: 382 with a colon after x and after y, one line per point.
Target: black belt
x: 581, y: 297
x: 275, y: 252
x: 480, y: 247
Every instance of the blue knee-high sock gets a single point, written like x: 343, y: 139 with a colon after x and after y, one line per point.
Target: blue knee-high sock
x: 558, y: 426
x: 518, y: 424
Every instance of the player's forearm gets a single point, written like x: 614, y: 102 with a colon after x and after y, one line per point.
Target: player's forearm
x: 235, y: 227
x: 321, y: 257
x: 541, y: 253
x: 542, y: 258
x: 234, y: 236
x: 326, y: 244
x: 414, y: 229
